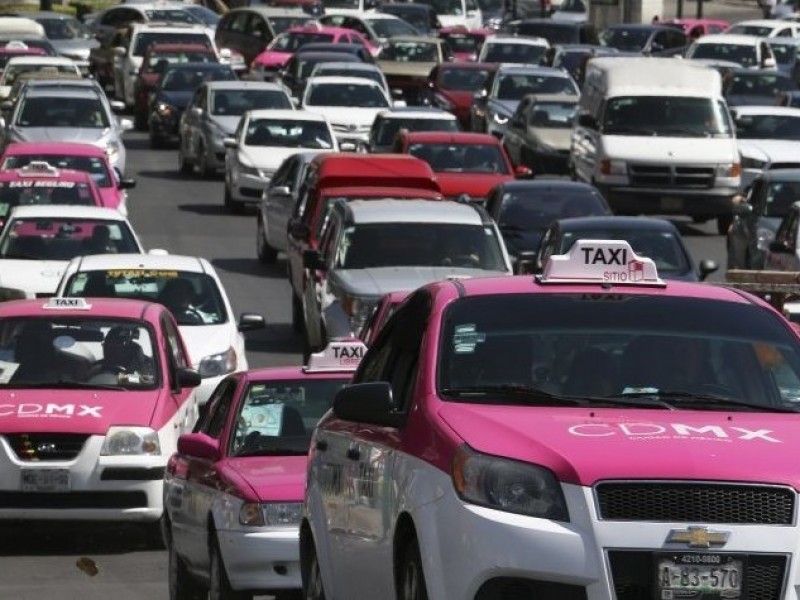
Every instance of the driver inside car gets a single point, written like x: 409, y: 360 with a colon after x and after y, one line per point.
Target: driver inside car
x: 123, y: 358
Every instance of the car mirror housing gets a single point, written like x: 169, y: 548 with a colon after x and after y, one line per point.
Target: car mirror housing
x: 188, y: 378
x: 251, y: 322
x: 370, y: 403
x: 199, y: 445
x: 230, y: 142
x: 707, y: 267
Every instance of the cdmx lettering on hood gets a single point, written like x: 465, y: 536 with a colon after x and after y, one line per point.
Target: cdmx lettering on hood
x: 30, y: 410
x: 677, y: 430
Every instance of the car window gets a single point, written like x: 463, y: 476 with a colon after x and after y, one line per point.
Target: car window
x: 288, y: 133
x: 95, y: 166
x: 42, y: 238
x: 346, y: 94
x: 461, y: 158
x: 236, y: 102
x: 60, y: 111
x: 219, y: 406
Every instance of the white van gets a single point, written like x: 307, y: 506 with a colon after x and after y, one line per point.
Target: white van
x: 456, y: 13
x: 657, y: 138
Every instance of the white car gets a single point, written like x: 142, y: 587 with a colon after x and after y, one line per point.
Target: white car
x: 349, y: 103
x: 768, y: 138
x: 749, y: 51
x: 765, y: 28
x: 511, y: 49
x: 28, y: 64
x: 263, y: 139
x: 39, y: 241
x: 186, y: 285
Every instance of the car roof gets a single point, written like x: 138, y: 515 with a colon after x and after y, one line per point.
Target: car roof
x: 415, y: 38
x: 272, y: 11
x: 64, y: 211
x: 775, y: 23
x: 40, y: 60
x: 617, y: 222
x: 532, y: 70
x: 62, y: 92
x: 451, y: 137
x: 513, y: 39
x: 336, y: 79
x: 165, y: 27
x: 100, y: 307
x: 290, y: 114
x: 325, y: 54
x: 243, y: 84
x: 412, y: 211
x: 416, y: 112
x: 730, y: 38
x: 546, y: 185
x: 469, y: 66
x: 355, y: 65
x: 68, y: 148
x: 380, y: 192
x: 102, y: 262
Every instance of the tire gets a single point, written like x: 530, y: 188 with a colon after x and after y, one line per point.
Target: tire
x: 266, y: 253
x: 298, y: 322
x: 219, y: 584
x: 182, y: 586
x: 311, y: 575
x: 154, y: 534
x: 411, y: 578
x: 184, y: 165
x: 232, y: 206
x: 201, y: 163
x: 724, y: 223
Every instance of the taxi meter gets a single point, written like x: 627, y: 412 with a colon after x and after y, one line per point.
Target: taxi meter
x: 601, y: 261
x: 339, y: 355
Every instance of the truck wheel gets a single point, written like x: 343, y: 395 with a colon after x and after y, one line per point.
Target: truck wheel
x: 411, y: 579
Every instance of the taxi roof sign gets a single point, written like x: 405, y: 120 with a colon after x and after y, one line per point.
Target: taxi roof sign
x: 608, y: 262
x: 338, y: 355
x: 38, y: 167
x: 57, y: 303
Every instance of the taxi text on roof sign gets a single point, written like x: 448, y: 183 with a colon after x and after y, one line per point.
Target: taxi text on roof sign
x: 67, y: 304
x: 601, y: 261
x: 337, y: 356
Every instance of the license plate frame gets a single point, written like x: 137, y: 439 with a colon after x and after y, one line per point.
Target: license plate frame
x: 671, y: 203
x: 48, y: 480
x: 701, y: 561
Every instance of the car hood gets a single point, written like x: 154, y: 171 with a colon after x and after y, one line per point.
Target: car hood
x: 670, y: 150
x: 460, y: 99
x: 178, y: 99
x: 77, y: 411
x: 558, y: 138
x: 273, y: 478
x: 377, y: 281
x: 31, y: 276
x: 112, y: 197
x: 393, y: 68
x: 506, y: 107
x: 266, y: 157
x: 85, y: 135
x: 770, y: 150
x: 272, y: 59
x: 477, y: 185
x: 584, y: 446
x: 204, y: 340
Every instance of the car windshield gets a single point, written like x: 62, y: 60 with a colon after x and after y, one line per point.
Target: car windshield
x: 573, y: 6
x: 464, y: 42
x: 95, y: 166
x: 419, y: 245
x: 692, y: 352
x: 515, y: 86
x: 388, y: 27
x: 234, y: 103
x: 43, y: 191
x: 553, y: 115
x: 446, y: 7
x: 533, y: 210
x: 64, y: 29
x: 347, y: 94
x: 55, y: 352
x: 64, y: 238
x: 768, y: 127
x: 388, y: 128
x: 501, y: 52
x: 340, y: 3
x: 758, y: 84
x: 144, y: 40
x: 785, y: 54
x: 461, y: 158
x: 170, y: 15
x: 278, y: 417
x: 193, y: 298
x: 62, y: 111
x: 399, y: 51
x: 159, y: 62
x: 291, y: 41
x: 741, y: 54
x: 462, y: 80
x: 756, y: 30
x: 552, y: 32
x: 669, y: 116
x: 288, y: 133
x: 186, y: 79
x: 281, y: 24
x: 628, y: 40
x: 13, y: 71
x: 663, y: 247
x: 780, y: 195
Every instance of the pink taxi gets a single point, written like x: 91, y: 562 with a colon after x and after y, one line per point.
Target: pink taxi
x: 234, y: 489
x: 93, y: 396
x: 80, y: 157
x: 280, y: 50
x: 465, y: 43
x: 593, y: 433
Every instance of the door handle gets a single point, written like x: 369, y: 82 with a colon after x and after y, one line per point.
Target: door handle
x: 321, y: 445
x: 354, y: 452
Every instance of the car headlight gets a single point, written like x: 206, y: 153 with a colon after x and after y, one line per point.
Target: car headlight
x: 731, y: 169
x: 248, y: 170
x: 270, y: 514
x: 131, y: 441
x: 508, y: 485
x: 218, y: 364
x: 752, y: 163
x: 499, y: 119
x: 112, y: 149
x: 164, y: 109
x: 764, y: 237
x: 613, y: 167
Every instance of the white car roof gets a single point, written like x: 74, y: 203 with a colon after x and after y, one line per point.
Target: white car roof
x: 66, y: 211
x: 294, y: 115
x: 730, y: 38
x: 777, y: 111
x: 439, y: 115
x: 243, y: 84
x: 161, y: 27
x: 335, y: 79
x: 103, y: 262
x: 40, y: 60
x: 774, y: 23
x: 413, y: 211
x: 350, y: 66
x: 512, y: 39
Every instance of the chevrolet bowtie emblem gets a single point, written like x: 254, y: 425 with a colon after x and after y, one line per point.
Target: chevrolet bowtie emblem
x: 698, y: 537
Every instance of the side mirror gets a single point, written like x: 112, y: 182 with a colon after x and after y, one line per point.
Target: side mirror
x: 768, y: 63
x: 707, y: 267
x: 587, y: 120
x: 196, y: 111
x: 117, y: 106
x: 6, y: 106
x: 188, y: 378
x: 281, y: 190
x: 299, y: 230
x: 126, y: 184
x: 230, y: 142
x: 367, y: 403
x: 312, y: 260
x: 120, y: 51
x: 251, y: 322
x: 526, y: 263
x: 742, y: 209
x: 480, y: 96
x: 199, y: 445
x: 779, y: 247
x: 523, y: 172
x: 125, y: 124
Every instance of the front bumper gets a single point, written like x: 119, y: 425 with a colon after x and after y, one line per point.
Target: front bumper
x: 669, y: 201
x: 248, y: 188
x: 165, y: 127
x: 263, y: 561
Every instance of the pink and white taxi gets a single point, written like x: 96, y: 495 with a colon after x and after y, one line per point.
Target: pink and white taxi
x: 93, y: 396
x: 234, y: 490
x: 593, y: 433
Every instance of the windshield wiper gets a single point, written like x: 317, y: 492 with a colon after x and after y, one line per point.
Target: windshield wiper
x: 692, y: 400
x: 684, y: 131
x: 633, y: 400
x: 519, y: 393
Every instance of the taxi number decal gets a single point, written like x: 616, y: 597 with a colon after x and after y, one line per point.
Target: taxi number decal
x: 132, y: 273
x: 28, y: 410
x: 41, y: 184
x: 466, y: 339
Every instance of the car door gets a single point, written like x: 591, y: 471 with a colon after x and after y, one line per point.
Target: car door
x: 515, y: 132
x: 178, y: 358
x: 316, y: 291
x: 258, y: 35
x: 280, y: 203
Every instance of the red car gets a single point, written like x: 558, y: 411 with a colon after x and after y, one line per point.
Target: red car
x: 465, y: 43
x: 156, y: 61
x: 452, y: 87
x: 464, y: 163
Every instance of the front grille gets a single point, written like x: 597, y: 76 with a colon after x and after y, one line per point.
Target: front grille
x: 633, y: 574
x: 671, y: 176
x: 516, y: 588
x: 695, y: 502
x: 73, y: 500
x: 46, y: 446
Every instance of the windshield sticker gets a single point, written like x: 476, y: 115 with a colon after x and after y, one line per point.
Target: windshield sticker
x: 266, y: 419
x: 41, y: 184
x: 466, y: 339
x: 134, y: 273
x: 7, y: 370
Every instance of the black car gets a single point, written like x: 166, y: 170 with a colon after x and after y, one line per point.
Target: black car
x: 297, y: 69
x: 657, y: 239
x: 174, y: 92
x: 572, y: 57
x: 649, y: 40
x: 555, y: 32
x: 751, y: 87
x: 524, y: 209
x: 420, y: 16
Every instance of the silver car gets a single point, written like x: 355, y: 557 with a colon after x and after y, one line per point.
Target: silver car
x: 213, y: 115
x: 69, y: 37
x: 68, y: 111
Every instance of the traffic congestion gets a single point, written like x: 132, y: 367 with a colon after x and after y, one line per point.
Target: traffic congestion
x: 356, y: 300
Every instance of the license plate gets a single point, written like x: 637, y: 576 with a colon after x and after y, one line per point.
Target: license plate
x: 699, y: 576
x: 45, y: 480
x: 671, y: 203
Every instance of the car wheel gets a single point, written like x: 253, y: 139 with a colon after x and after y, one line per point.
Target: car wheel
x: 154, y: 534
x: 184, y: 165
x: 312, y: 576
x: 266, y: 253
x: 724, y: 223
x: 219, y: 584
x: 411, y: 579
x: 182, y: 586
x: 232, y: 206
x: 298, y: 323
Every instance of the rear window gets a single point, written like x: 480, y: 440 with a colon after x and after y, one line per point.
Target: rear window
x: 145, y: 39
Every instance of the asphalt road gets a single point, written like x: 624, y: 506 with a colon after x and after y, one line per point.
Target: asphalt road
x: 185, y: 215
